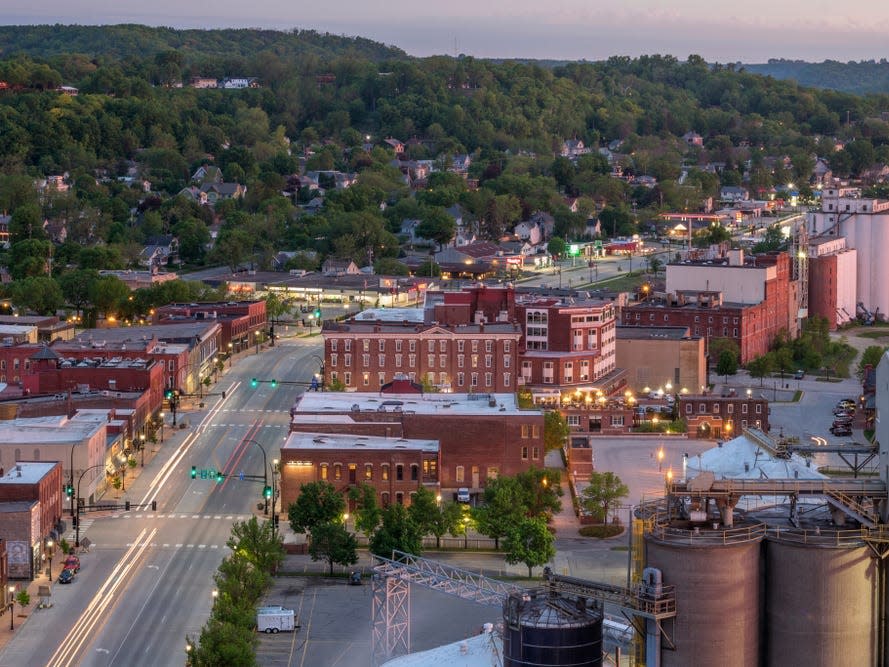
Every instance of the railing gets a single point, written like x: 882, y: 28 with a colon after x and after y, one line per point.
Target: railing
x: 701, y: 535
x: 824, y: 538
x: 852, y: 504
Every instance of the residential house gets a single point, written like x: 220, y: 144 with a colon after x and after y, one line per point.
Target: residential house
x: 207, y: 174
x: 159, y: 251
x: 529, y: 231
x: 460, y: 164
x: 573, y: 148
x: 239, y: 82
x: 692, y: 138
x: 203, y: 82
x: 339, y: 267
x: 57, y: 230
x: 821, y: 173
x: 4, y: 230
x: 395, y: 145
x: 733, y: 193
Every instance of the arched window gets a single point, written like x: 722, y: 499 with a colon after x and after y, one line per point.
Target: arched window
x: 415, y: 472
x: 36, y: 454
x: 384, y: 498
x: 368, y: 471
x: 399, y: 498
x: 337, y: 471
x: 384, y: 472
x: 324, y: 471
x: 399, y: 472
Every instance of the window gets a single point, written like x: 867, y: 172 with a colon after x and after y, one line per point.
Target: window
x: 333, y: 343
x: 473, y: 361
x: 381, y: 360
x: 573, y: 420
x: 460, y: 358
x: 430, y: 345
x: 333, y: 359
x: 758, y: 409
x: 744, y: 409
x: 702, y: 408
x: 384, y: 472
x: 460, y: 344
x: 475, y: 346
x: 442, y: 379
x: 507, y: 346
x: 743, y: 423
x: 525, y: 453
x: 734, y: 333
x: 489, y: 345
x: 506, y: 379
x: 730, y: 408
x: 569, y: 371
x: 412, y: 346
x: 506, y: 361
x: 617, y: 420
x: 365, y: 345
x: 324, y: 471
x: 430, y: 468
x: 489, y: 360
x: 492, y: 472
x: 381, y: 378
x: 415, y: 472
x: 347, y: 359
x: 458, y: 474
x: 716, y: 408
x: 365, y: 360
x: 411, y: 360
x: 398, y: 359
x: 474, y: 380
x: 399, y: 472
x: 442, y: 346
x: 368, y: 471
x: 382, y: 345
x: 337, y: 471
x: 442, y: 361
x: 535, y: 431
x: 348, y: 345
x: 366, y: 379
x: 430, y: 360
x: 399, y: 498
x: 489, y: 379
x: 333, y: 376
x: 347, y: 379
x: 398, y: 345
x: 526, y: 431
x: 535, y: 453
x: 460, y: 379
x: 384, y: 499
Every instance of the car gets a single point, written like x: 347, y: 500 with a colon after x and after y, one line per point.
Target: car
x: 841, y: 431
x: 463, y: 495
x: 72, y: 562
x: 841, y: 414
x: 846, y: 403
x: 842, y: 422
x: 66, y: 576
x: 355, y: 578
x: 799, y: 375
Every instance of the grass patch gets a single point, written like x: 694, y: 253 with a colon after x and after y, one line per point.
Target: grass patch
x: 621, y: 548
x: 601, y: 531
x: 797, y: 395
x: 874, y: 334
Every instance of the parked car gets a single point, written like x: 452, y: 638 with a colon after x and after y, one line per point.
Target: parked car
x: 842, y: 422
x: 841, y: 431
x: 66, y: 576
x: 846, y: 403
x: 463, y: 495
x: 799, y: 375
x: 840, y: 414
x: 72, y: 562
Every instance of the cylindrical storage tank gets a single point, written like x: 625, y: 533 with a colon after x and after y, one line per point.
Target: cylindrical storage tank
x: 716, y: 575
x: 547, y: 630
x: 822, y: 604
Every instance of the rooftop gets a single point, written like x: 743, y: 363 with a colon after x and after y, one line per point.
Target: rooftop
x: 53, y: 430
x: 27, y: 472
x: 414, y: 315
x: 350, y: 402
x: 309, y: 441
x: 652, y: 333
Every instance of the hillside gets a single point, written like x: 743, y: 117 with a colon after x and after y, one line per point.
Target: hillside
x: 120, y: 42
x: 861, y: 78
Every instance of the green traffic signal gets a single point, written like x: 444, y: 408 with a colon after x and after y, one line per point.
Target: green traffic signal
x: 318, y: 313
x: 274, y: 383
x: 267, y: 492
x: 254, y: 383
x: 194, y: 472
x: 219, y: 477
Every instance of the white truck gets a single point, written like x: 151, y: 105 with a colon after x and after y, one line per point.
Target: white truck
x: 275, y: 619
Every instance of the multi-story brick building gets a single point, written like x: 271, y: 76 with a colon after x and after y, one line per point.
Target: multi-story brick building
x: 711, y: 416
x: 364, y: 355
x: 832, y: 280
x: 481, y: 435
x: 30, y: 509
x: 395, y: 467
x: 749, y: 302
x: 243, y: 323
x: 655, y: 356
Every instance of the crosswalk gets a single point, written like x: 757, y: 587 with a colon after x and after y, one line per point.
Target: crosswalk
x: 85, y: 523
x: 243, y: 410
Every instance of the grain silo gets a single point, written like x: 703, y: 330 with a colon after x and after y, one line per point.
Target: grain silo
x: 821, y: 598
x: 716, y: 574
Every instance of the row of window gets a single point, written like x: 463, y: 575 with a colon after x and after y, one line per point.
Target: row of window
x: 460, y: 474
x: 443, y: 378
x: 16, y: 364
x: 430, y: 471
x: 530, y: 431
x: 412, y: 360
x: 729, y: 408
x: 667, y: 318
x: 412, y: 345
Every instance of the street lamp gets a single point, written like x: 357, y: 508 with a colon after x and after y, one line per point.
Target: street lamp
x: 142, y: 448
x: 660, y: 459
x: 230, y: 351
x: 162, y: 416
x: 11, y: 607
x: 265, y: 478
x: 275, y: 497
x: 49, y: 550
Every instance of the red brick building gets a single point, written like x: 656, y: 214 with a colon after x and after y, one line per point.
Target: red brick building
x: 763, y: 302
x: 481, y: 436
x: 30, y: 509
x: 394, y: 467
x: 710, y: 416
x: 364, y: 356
x: 243, y: 322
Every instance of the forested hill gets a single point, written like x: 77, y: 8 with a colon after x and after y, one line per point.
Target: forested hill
x: 139, y: 41
x: 853, y: 77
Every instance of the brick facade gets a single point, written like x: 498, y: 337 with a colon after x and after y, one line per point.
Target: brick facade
x: 723, y: 416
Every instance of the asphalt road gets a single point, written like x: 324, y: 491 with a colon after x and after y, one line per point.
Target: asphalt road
x: 148, y: 579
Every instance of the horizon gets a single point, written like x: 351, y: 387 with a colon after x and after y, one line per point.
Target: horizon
x: 565, y: 30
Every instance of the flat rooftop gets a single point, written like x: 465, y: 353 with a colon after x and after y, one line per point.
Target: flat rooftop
x: 311, y: 441
x: 431, y: 404
x: 413, y: 315
x: 27, y: 472
x: 53, y: 430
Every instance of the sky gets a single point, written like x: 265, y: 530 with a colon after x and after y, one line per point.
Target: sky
x: 749, y: 31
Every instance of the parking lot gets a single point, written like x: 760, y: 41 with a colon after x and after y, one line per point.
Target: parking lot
x: 335, y: 621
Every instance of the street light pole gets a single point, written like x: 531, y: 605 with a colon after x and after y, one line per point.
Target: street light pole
x: 12, y: 608
x: 71, y: 477
x: 142, y: 447
x: 274, y: 498
x: 49, y: 549
x: 265, y: 478
x: 230, y: 352
x: 77, y: 501
x: 162, y: 416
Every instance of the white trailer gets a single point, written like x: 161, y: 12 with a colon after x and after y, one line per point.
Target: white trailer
x: 275, y: 619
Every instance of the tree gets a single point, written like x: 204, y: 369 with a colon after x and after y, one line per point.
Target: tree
x: 38, y: 294
x: 257, y: 543
x: 107, y: 292
x: 604, y: 489
x: 555, y: 430
x: 541, y: 490
x: 76, y: 286
x: 436, y: 225
x: 502, y: 508
x: 368, y: 513
x: 760, y: 367
x: 333, y: 543
x: 397, y: 532
x: 318, y: 502
x: 727, y: 364
x: 529, y: 542
x: 871, y: 356
x: 556, y: 247
x: 434, y: 517
x: 26, y: 223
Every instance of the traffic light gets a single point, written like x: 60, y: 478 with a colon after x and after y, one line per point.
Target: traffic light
x: 219, y: 477
x: 69, y: 490
x: 194, y: 472
x: 168, y: 394
x: 154, y: 506
x: 267, y: 492
x: 317, y: 313
x: 274, y: 383
x: 126, y: 506
x: 254, y: 383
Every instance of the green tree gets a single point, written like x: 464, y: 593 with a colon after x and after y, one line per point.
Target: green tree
x: 38, y: 294
x: 396, y: 532
x: 556, y: 247
x: 257, y: 543
x: 555, y: 430
x: 107, y: 293
x: 727, y: 364
x: 222, y: 643
x: 76, y: 286
x: 760, y: 367
x: 318, y: 502
x: 541, y: 489
x: 434, y: 517
x: 389, y: 266
x: 503, y: 506
x: 368, y: 513
x: 605, y: 488
x: 529, y: 542
x: 871, y: 356
x: 333, y: 543
x: 436, y: 225
x: 26, y: 223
